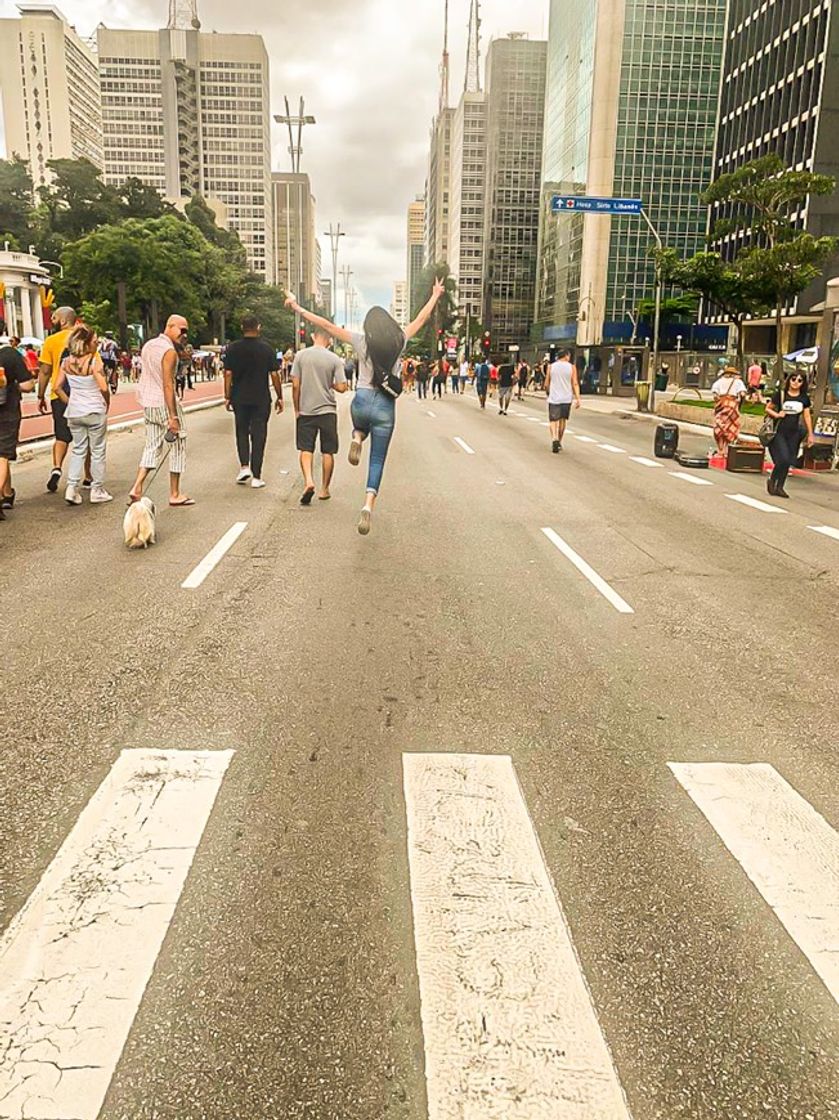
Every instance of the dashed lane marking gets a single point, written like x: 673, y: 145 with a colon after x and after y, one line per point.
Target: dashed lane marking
x: 508, y: 1020
x: 786, y: 848
x: 75, y: 961
x: 200, y: 572
x: 591, y: 575
x: 826, y: 531
x: 685, y: 477
x: 753, y: 503
x: 585, y: 439
x: 430, y: 413
x: 611, y: 447
x: 463, y: 444
x: 643, y: 461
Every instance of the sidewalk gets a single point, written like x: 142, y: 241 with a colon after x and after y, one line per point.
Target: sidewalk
x: 124, y: 407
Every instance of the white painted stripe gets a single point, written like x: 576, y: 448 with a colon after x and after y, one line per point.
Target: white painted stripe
x: 199, y: 573
x: 462, y: 443
x: 825, y: 530
x: 786, y: 848
x: 534, y: 420
x: 591, y: 575
x: 547, y: 424
x: 75, y: 961
x: 685, y: 477
x: 430, y: 413
x: 745, y: 500
x: 611, y: 447
x: 644, y: 462
x: 585, y: 439
x: 508, y: 1021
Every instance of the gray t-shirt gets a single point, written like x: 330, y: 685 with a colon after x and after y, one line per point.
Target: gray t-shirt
x: 318, y: 370
x: 365, y: 366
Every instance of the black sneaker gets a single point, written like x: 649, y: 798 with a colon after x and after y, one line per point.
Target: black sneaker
x: 555, y: 447
x: 53, y: 480
x: 87, y: 483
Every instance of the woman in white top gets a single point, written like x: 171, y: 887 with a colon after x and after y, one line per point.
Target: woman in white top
x: 729, y: 390
x: 83, y: 387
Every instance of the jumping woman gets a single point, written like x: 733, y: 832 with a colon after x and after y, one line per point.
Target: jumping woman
x: 379, y: 349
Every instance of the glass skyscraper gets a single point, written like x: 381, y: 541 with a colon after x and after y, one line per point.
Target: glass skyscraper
x: 631, y: 107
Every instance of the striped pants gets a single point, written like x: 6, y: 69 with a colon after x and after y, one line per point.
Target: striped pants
x: 157, y: 425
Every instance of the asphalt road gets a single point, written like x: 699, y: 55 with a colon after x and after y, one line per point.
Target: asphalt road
x: 312, y: 919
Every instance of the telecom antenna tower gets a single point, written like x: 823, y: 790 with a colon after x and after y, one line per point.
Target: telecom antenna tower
x: 472, y: 83
x: 444, y: 64
x: 183, y: 15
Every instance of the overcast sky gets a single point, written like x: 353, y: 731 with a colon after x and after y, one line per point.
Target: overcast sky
x: 369, y: 72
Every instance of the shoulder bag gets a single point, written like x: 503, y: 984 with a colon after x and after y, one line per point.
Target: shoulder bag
x: 769, y: 429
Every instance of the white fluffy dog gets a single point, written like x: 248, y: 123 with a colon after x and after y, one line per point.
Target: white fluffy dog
x: 138, y: 524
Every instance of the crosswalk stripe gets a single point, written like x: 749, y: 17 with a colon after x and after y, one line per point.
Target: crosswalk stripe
x: 75, y: 961
x: 509, y: 1025
x: 786, y: 848
x: 685, y: 477
x: 745, y: 500
x: 826, y: 531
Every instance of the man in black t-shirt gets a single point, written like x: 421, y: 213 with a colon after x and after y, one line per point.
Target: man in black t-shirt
x: 506, y: 375
x: 248, y: 364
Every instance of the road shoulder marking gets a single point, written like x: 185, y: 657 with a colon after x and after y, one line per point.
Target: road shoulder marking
x: 787, y: 849
x: 75, y: 961
x: 753, y: 503
x: 200, y: 572
x: 509, y: 1024
x: 591, y: 575
x: 463, y: 444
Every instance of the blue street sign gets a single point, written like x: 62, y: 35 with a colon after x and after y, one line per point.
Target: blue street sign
x: 583, y: 204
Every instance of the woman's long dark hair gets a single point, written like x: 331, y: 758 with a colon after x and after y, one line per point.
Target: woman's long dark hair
x: 385, y: 341
x: 796, y: 373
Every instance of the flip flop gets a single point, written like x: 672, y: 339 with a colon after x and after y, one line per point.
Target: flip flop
x: 185, y: 502
x: 324, y: 497
x: 306, y: 499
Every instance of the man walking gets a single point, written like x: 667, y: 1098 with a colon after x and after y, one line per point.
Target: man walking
x: 562, y: 388
x: 64, y: 318
x: 162, y: 412
x: 506, y: 376
x: 316, y: 376
x: 482, y: 382
x: 248, y: 365
x: 422, y: 380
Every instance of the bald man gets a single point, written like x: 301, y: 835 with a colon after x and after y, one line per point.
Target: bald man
x: 162, y: 410
x: 63, y: 319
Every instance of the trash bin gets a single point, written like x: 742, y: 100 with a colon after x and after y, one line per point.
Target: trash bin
x: 661, y: 380
x: 666, y: 441
x: 642, y: 394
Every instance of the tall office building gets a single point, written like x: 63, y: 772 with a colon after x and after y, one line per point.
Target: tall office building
x: 399, y: 304
x: 296, y: 249
x: 780, y: 94
x: 632, y: 91
x: 515, y: 105
x: 50, y: 90
x: 188, y: 112
x: 325, y: 296
x: 437, y: 189
x: 416, y: 249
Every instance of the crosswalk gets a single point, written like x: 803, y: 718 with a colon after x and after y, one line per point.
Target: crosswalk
x: 510, y: 1027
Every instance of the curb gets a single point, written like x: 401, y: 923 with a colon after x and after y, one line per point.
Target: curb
x: 697, y: 429
x: 27, y: 451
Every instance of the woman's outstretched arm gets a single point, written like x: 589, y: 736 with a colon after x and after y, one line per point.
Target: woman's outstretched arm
x: 340, y: 333
x: 424, y: 315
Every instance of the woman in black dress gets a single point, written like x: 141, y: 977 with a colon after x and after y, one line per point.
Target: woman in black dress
x: 15, y: 379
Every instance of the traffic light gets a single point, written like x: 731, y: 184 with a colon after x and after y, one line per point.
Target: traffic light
x: 486, y: 343
x: 440, y: 346
x: 301, y: 335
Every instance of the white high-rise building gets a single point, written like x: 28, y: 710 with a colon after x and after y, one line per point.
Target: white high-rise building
x: 296, y: 249
x: 188, y: 112
x: 399, y: 306
x: 50, y: 91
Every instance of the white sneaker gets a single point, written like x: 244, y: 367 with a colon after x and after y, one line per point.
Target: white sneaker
x: 243, y: 475
x: 257, y: 483
x: 72, y: 497
x: 99, y: 494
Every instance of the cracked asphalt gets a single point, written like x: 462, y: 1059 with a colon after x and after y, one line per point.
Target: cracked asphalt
x: 286, y: 987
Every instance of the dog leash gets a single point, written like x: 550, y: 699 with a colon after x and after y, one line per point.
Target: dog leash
x: 149, y: 481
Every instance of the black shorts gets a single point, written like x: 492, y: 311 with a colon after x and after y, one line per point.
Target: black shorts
x: 60, y: 427
x: 559, y: 411
x: 308, y: 428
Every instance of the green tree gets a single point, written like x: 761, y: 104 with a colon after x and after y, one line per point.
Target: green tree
x: 758, y: 199
x: 138, y: 200
x: 445, y: 313
x: 73, y: 203
x: 15, y: 203
x: 674, y: 309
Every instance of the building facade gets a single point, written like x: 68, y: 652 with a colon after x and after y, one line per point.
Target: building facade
x: 188, y: 112
x: 416, y: 250
x: 631, y: 106
x: 437, y: 189
x: 50, y: 90
x: 24, y: 284
x: 399, y: 305
x: 515, y: 104
x: 296, y: 250
x: 780, y: 94
x: 468, y: 187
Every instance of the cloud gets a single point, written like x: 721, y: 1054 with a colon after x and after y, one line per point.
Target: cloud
x: 369, y: 73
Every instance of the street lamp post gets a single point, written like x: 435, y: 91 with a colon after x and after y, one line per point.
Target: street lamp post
x: 346, y: 273
x: 334, y: 238
x: 657, y: 316
x: 295, y: 148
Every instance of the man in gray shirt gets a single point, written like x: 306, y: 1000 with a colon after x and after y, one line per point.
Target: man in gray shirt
x: 316, y: 376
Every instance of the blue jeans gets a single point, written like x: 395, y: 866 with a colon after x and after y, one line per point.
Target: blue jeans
x: 374, y: 414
